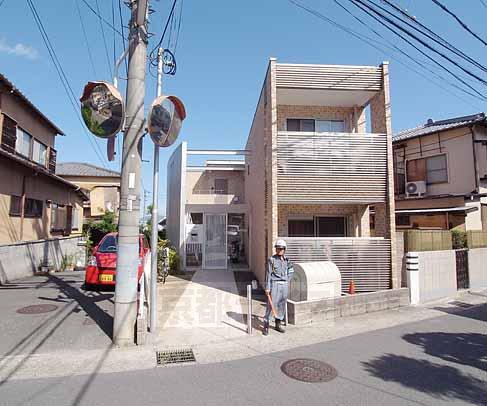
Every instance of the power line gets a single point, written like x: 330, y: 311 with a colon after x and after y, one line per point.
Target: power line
x: 104, y: 39
x: 87, y: 43
x: 378, y: 19
x: 464, y: 26
x: 1, y: 3
x: 152, y: 53
x: 420, y: 63
x: 123, y: 34
x: 102, y: 19
x: 62, y: 76
x: 179, y: 26
x: 411, y: 35
x: 369, y: 41
x: 483, y: 3
x: 429, y: 33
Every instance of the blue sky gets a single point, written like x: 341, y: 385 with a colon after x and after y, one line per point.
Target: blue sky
x: 222, y: 55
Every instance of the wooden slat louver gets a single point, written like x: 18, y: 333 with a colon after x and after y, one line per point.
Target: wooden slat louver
x: 365, y: 260
x: 330, y: 168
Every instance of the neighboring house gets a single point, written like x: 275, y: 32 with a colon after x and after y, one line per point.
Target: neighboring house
x: 35, y: 203
x: 102, y: 185
x: 311, y: 173
x: 441, y: 175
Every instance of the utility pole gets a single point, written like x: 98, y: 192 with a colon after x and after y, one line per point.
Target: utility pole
x: 155, y: 204
x: 128, y: 226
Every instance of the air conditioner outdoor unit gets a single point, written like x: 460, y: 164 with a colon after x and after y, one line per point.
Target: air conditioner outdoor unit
x: 416, y: 188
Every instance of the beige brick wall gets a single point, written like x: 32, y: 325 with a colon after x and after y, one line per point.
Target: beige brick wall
x: 359, y: 216
x: 354, y: 117
x: 385, y: 220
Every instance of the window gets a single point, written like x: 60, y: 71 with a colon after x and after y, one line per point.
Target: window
x: 58, y: 217
x: 303, y: 125
x: 39, y: 153
x: 33, y: 208
x: 109, y: 244
x: 310, y: 125
x: 436, y: 169
x: 301, y: 227
x: 196, y: 218
x: 431, y: 169
x: 22, y: 145
x: 334, y: 126
x: 221, y: 186
x: 15, y: 206
x: 403, y: 220
x: 9, y: 134
x: 75, y: 219
x: 317, y: 227
x: 330, y: 227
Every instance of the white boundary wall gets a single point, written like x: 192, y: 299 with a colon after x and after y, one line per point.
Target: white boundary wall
x: 477, y: 268
x: 433, y: 277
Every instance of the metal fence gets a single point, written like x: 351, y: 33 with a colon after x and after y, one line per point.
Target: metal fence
x: 365, y: 260
x: 331, y: 168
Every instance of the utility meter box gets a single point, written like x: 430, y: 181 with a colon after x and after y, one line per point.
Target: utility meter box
x: 315, y: 280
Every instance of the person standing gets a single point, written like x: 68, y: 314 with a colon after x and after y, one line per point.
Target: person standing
x: 279, y: 272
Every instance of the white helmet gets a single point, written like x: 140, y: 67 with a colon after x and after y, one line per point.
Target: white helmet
x: 280, y: 244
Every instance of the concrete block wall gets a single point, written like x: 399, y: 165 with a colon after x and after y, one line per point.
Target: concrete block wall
x: 477, y: 268
x: 21, y: 260
x: 300, y: 313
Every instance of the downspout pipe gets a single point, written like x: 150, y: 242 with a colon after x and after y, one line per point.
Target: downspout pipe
x: 475, y: 163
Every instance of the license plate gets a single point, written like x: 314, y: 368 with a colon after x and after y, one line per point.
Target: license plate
x: 105, y: 278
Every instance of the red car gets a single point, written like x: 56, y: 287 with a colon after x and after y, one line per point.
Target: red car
x: 101, y: 269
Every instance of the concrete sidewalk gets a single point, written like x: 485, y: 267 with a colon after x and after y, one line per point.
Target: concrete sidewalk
x: 209, y: 309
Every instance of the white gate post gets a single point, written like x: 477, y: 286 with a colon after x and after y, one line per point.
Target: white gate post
x: 412, y: 267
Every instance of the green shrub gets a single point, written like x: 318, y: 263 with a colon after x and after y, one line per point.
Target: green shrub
x: 459, y: 239
x: 174, y: 258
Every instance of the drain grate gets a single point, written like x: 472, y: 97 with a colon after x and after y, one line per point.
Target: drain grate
x: 175, y: 357
x: 309, y: 370
x: 37, y: 309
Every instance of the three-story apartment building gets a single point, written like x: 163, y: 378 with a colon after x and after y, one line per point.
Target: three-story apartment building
x: 313, y: 169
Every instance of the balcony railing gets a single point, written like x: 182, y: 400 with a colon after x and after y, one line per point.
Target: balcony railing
x: 331, y: 168
x: 365, y: 260
x: 212, y: 196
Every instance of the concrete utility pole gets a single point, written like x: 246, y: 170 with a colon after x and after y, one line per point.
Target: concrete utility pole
x: 155, y: 204
x: 128, y: 226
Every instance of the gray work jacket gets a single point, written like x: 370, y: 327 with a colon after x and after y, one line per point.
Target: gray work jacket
x: 278, y: 269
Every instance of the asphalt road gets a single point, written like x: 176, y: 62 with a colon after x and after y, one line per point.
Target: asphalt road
x: 439, y: 361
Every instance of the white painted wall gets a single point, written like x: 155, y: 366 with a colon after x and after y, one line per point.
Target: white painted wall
x: 477, y: 268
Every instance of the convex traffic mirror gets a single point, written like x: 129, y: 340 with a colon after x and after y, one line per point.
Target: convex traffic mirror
x: 102, y: 109
x: 165, y: 119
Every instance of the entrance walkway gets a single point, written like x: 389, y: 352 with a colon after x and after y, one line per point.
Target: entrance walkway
x: 205, y: 310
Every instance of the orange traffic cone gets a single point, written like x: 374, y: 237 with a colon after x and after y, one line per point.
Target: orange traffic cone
x: 351, y: 288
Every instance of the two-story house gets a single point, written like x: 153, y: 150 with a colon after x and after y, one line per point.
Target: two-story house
x: 441, y: 175
x: 313, y: 169
x: 35, y: 203
x: 102, y: 185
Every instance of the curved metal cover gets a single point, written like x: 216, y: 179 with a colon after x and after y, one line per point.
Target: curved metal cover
x: 102, y: 109
x: 165, y: 120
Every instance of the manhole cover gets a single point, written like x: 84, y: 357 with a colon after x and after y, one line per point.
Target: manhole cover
x: 175, y: 357
x: 309, y: 370
x: 37, y: 309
